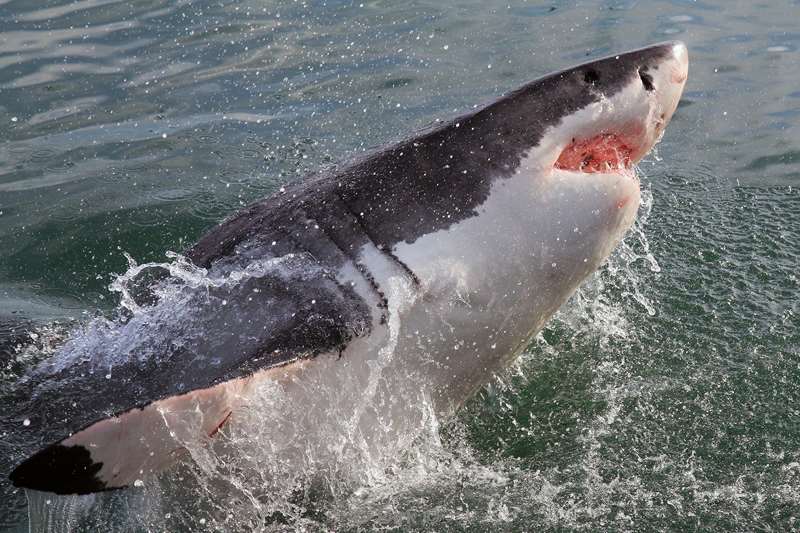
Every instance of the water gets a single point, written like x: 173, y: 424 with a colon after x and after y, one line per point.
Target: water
x: 664, y: 396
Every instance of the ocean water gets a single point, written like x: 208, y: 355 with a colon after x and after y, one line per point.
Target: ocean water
x: 664, y: 396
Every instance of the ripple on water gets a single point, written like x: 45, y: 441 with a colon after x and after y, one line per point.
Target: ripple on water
x: 66, y: 109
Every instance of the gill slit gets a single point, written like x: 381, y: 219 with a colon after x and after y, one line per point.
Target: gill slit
x: 383, y: 249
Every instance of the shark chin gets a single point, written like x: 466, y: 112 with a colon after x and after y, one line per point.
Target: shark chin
x: 362, y: 300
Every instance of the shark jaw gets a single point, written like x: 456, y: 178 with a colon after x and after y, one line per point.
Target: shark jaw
x: 614, y: 133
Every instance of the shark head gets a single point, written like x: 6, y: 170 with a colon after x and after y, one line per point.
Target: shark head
x: 557, y: 158
x: 584, y: 164
x: 583, y: 167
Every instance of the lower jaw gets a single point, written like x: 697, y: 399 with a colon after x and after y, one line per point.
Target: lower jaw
x: 620, y: 185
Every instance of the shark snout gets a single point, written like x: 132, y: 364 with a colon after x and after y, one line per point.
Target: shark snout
x: 652, y: 99
x: 681, y: 55
x: 667, y: 77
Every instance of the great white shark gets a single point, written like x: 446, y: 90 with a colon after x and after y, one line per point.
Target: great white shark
x: 426, y: 266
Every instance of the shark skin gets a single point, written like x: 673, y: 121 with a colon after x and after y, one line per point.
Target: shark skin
x: 408, y: 276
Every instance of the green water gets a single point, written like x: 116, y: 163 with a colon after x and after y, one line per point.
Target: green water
x: 666, y: 396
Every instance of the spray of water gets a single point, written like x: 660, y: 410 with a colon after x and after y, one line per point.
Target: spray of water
x: 474, y: 490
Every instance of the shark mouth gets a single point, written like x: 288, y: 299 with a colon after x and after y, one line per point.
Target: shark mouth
x: 607, y: 152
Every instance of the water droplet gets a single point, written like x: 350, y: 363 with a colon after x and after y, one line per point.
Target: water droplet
x: 138, y: 483
x: 14, y: 119
x: 26, y: 422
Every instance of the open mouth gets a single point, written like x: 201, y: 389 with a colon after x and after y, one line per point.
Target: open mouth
x: 606, y: 153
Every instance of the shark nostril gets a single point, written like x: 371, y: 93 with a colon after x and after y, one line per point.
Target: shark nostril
x: 591, y: 77
x: 647, y: 79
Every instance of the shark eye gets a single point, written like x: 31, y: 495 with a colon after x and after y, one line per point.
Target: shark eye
x: 591, y: 77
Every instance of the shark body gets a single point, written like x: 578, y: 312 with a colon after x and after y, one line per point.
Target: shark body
x: 409, y: 276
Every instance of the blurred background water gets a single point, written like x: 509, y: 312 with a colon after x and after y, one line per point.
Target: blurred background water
x: 665, y: 396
